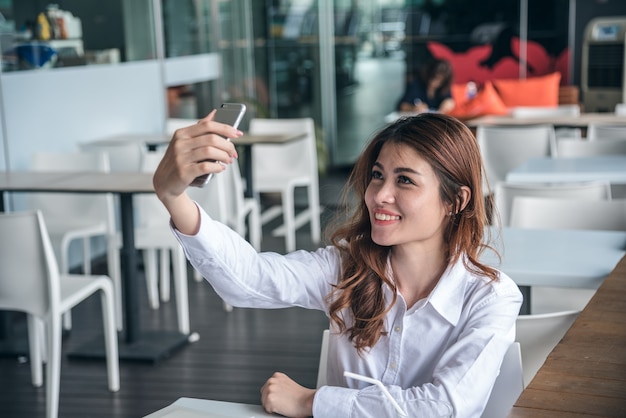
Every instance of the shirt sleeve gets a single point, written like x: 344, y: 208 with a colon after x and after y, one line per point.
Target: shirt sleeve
x: 245, y: 278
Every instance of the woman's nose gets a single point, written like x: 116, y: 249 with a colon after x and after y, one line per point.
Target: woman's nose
x: 385, y: 193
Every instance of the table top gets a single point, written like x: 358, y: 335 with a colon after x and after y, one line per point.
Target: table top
x: 204, y: 408
x: 544, y: 170
x: 250, y: 139
x: 581, y: 121
x: 164, y: 139
x: 87, y: 182
x: 557, y: 257
x: 585, y: 374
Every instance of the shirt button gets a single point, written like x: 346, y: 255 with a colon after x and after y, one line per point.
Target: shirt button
x: 397, y: 329
x: 393, y: 365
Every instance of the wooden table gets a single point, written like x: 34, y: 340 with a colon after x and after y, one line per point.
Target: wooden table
x: 137, y: 344
x: 585, y: 374
x: 553, y: 170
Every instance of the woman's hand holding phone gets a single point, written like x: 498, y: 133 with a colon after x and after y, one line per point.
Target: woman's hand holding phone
x: 194, y: 151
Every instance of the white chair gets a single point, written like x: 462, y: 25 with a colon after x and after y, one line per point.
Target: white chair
x: 620, y: 109
x: 223, y: 199
x: 322, y: 371
x: 124, y: 155
x: 30, y: 282
x: 552, y: 213
x: 152, y: 235
x: 282, y: 168
x: 573, y: 148
x: 72, y: 216
x: 504, y: 148
x: 560, y: 110
x: 538, y: 334
x: 597, y: 131
x: 534, y: 111
x: 505, y: 192
x: 507, y: 387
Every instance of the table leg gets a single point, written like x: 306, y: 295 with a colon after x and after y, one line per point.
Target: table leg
x: 11, y: 344
x: 525, y: 308
x: 247, y: 168
x: 136, y: 345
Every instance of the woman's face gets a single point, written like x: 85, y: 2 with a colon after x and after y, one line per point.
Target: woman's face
x: 403, y: 199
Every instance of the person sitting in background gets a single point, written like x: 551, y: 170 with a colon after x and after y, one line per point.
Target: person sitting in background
x: 408, y: 300
x: 429, y: 90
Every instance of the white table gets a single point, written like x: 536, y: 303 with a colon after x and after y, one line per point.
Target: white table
x: 204, y: 408
x: 556, y: 258
x: 553, y: 170
x: 137, y: 344
x: 565, y: 121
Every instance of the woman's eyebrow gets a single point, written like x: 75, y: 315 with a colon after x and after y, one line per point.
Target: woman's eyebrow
x: 399, y: 170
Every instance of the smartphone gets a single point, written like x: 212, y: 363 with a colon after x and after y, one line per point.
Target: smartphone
x: 229, y: 114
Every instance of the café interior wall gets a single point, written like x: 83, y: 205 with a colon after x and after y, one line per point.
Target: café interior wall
x: 56, y: 110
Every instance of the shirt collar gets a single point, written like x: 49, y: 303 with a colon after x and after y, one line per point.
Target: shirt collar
x: 448, y: 295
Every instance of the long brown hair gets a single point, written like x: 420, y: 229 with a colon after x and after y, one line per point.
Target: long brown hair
x: 451, y: 149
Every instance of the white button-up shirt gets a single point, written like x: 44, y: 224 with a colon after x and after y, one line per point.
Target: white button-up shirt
x: 447, y: 347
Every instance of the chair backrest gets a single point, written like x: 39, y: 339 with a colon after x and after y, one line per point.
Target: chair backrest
x: 89, y: 207
x: 504, y: 147
x: 322, y: 370
x: 551, y: 213
x: 212, y: 197
x: 150, y: 210
x: 572, y: 148
x: 504, y: 193
x: 297, y: 158
x: 538, y: 335
x: 533, y: 111
x: 124, y: 155
x: 508, y: 385
x: 29, y: 276
x: 172, y: 124
x: 605, y: 131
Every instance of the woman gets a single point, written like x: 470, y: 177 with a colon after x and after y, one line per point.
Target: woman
x: 430, y: 90
x: 409, y: 302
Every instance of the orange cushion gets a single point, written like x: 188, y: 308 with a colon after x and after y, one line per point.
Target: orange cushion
x: 486, y: 102
x: 536, y: 91
x: 459, y: 93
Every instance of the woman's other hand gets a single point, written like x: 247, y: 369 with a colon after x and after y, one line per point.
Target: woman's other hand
x: 281, y: 395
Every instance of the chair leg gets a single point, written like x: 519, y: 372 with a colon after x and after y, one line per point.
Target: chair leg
x: 107, y: 294
x: 182, y: 295
x: 164, y: 258
x: 35, y: 350
x: 289, y: 220
x: 86, y: 255
x: 150, y: 267
x: 53, y: 367
x: 314, y: 210
x: 115, y: 273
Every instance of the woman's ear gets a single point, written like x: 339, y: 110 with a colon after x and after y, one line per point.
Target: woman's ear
x: 463, y: 198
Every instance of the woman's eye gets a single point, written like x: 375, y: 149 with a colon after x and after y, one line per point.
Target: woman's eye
x: 377, y: 175
x: 404, y: 180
